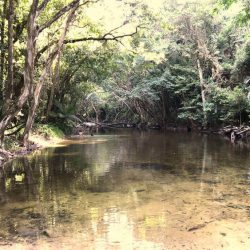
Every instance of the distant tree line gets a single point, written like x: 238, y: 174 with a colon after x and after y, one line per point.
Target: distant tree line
x: 184, y: 64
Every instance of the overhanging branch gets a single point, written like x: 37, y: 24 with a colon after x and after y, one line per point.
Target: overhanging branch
x: 106, y: 37
x: 62, y: 11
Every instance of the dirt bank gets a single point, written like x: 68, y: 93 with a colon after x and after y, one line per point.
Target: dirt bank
x: 36, y: 142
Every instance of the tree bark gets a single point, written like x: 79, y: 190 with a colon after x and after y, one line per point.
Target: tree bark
x: 96, y: 113
x: 9, y: 83
x: 14, y: 108
x: 8, y: 86
x: 55, y: 83
x: 42, y: 78
x: 2, y: 60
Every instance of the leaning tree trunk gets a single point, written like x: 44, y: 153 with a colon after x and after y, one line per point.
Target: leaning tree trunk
x: 2, y: 60
x: 14, y: 108
x: 55, y: 82
x: 32, y: 109
x: 39, y: 85
x: 8, y: 86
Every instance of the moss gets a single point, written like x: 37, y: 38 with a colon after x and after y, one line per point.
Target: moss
x: 48, y: 131
x: 43, y: 135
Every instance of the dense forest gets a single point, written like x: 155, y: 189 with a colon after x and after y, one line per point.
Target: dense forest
x: 166, y: 62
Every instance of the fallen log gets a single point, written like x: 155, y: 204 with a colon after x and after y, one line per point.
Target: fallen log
x: 89, y: 124
x: 235, y: 133
x: 245, y: 130
x: 93, y: 125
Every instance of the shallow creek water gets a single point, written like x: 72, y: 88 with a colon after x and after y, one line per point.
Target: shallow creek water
x: 129, y: 190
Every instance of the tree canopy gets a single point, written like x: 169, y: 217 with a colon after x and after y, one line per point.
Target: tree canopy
x: 164, y: 62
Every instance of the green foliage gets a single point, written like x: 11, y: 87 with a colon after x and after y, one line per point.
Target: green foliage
x: 227, y: 105
x: 242, y: 62
x: 228, y: 3
x: 238, y: 103
x: 156, y: 77
x: 48, y: 130
x: 151, y: 76
x: 64, y: 116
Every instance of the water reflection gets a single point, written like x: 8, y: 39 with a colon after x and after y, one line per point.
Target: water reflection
x: 127, y: 191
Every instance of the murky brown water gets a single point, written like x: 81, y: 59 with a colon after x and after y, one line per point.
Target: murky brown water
x: 128, y: 191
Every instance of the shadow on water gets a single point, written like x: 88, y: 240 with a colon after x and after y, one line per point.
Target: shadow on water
x: 126, y: 190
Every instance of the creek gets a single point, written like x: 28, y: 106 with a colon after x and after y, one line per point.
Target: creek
x: 128, y: 190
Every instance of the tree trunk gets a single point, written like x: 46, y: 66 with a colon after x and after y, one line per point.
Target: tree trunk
x: 42, y: 78
x: 51, y: 94
x: 9, y: 86
x: 2, y: 60
x: 203, y: 89
x: 96, y: 113
x: 32, y: 109
x: 55, y: 83
x: 14, y: 108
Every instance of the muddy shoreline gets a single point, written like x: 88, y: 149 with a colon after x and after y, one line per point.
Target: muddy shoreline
x: 36, y: 143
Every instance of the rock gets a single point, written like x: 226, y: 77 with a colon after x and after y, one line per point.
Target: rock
x: 33, y: 215
x: 196, y: 227
x: 140, y: 190
x: 45, y: 233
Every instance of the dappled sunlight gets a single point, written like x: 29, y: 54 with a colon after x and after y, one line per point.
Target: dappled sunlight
x: 45, y: 143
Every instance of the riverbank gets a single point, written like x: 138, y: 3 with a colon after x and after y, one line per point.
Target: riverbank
x: 43, y: 136
x: 47, y: 135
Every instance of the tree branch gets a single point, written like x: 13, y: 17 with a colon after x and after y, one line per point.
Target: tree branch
x: 106, y: 37
x: 43, y: 5
x: 62, y: 11
x: 57, y: 15
x: 19, y: 127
